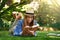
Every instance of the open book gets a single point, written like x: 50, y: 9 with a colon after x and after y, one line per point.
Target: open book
x: 35, y: 26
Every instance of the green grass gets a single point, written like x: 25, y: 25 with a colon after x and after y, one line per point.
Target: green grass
x: 4, y: 35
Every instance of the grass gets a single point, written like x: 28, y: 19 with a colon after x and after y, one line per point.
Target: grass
x: 4, y: 35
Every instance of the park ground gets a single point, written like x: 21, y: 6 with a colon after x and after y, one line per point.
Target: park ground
x: 4, y: 35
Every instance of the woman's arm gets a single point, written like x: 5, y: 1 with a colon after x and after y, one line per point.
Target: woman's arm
x: 18, y: 29
x: 27, y: 31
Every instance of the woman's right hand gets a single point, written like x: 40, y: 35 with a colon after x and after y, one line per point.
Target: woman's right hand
x: 27, y: 27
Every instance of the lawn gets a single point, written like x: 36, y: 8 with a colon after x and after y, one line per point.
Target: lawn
x: 4, y: 35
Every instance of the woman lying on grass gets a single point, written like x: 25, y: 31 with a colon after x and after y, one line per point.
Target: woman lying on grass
x: 27, y: 26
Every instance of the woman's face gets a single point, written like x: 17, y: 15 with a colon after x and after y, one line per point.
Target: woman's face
x: 29, y: 19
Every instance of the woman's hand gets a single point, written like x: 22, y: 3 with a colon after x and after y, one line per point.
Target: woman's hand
x: 27, y: 27
x: 35, y: 26
x: 32, y: 32
x: 28, y: 31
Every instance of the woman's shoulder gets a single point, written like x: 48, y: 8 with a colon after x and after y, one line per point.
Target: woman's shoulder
x: 21, y: 20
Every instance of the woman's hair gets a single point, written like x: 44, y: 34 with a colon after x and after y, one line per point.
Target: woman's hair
x: 26, y: 23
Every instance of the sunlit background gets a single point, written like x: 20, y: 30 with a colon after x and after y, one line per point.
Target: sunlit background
x: 47, y: 11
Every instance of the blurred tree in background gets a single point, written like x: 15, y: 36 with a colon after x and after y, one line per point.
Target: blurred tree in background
x: 6, y: 9
x: 48, y: 13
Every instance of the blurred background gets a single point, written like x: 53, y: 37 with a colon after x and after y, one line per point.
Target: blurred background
x: 47, y: 15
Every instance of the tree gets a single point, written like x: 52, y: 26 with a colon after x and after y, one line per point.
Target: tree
x: 6, y: 13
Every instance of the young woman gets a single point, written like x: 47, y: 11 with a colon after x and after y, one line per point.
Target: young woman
x: 26, y: 26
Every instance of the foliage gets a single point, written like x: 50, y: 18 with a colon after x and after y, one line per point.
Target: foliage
x: 6, y: 13
x: 48, y: 13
